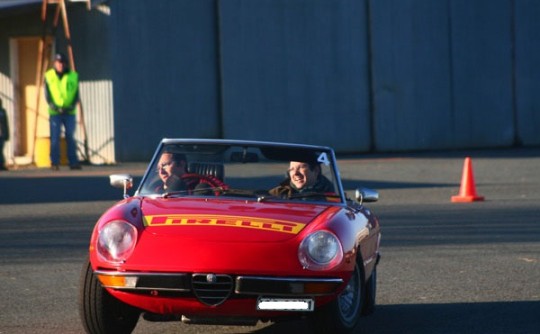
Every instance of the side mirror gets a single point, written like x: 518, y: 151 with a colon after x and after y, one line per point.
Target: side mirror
x: 124, y: 181
x: 366, y: 195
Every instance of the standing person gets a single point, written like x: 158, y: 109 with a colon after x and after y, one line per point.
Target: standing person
x: 4, y: 135
x: 62, y: 95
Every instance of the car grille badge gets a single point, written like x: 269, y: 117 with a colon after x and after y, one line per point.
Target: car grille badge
x: 212, y: 289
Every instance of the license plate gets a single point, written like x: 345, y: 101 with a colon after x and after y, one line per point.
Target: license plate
x: 285, y: 304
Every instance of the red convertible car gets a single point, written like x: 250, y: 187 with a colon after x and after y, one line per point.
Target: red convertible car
x: 233, y: 232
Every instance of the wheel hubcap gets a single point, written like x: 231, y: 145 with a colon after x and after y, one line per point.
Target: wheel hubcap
x: 349, y: 300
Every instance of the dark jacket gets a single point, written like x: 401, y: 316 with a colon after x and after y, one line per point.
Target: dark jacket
x: 286, y: 188
x: 4, y: 126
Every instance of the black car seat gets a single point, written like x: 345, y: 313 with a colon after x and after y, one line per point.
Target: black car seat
x: 207, y: 168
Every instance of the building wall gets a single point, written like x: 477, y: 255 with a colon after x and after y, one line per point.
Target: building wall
x: 165, y: 70
x: 93, y: 58
x: 527, y: 72
x: 296, y: 71
x: 442, y: 74
x: 358, y: 75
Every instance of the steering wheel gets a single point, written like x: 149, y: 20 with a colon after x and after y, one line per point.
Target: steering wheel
x: 193, y: 179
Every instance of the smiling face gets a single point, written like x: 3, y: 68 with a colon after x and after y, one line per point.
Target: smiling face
x: 169, y: 168
x: 302, y: 175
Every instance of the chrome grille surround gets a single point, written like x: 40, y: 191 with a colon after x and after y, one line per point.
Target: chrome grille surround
x: 212, y: 289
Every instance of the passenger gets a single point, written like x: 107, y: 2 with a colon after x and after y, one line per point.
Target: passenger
x: 303, y: 177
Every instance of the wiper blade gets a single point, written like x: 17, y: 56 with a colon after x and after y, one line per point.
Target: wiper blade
x: 239, y: 192
x: 311, y: 194
x: 260, y: 195
x: 174, y: 193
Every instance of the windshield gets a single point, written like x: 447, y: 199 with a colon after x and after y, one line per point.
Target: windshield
x: 261, y: 171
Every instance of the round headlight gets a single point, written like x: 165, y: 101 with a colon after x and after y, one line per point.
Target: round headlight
x: 116, y: 241
x: 320, y: 250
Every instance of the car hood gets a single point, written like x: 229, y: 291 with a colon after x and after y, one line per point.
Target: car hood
x: 212, y: 220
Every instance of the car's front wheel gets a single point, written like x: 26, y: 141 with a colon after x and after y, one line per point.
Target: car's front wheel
x: 100, y: 312
x: 341, y: 316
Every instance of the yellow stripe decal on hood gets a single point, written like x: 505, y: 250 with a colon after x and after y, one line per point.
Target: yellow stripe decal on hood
x: 219, y: 220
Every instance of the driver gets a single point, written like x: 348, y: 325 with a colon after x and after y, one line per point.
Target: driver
x: 171, y: 167
x: 173, y: 172
x: 303, y: 177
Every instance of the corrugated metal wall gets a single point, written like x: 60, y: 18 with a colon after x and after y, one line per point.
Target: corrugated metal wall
x: 359, y: 75
x: 93, y: 57
x: 442, y: 74
x: 455, y: 73
x: 296, y: 71
x: 165, y: 67
x: 385, y: 75
x: 527, y: 71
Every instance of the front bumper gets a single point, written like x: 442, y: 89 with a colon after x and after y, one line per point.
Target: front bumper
x: 215, y: 289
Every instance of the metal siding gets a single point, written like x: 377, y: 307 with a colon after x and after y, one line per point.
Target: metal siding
x: 89, y: 29
x: 442, y: 72
x: 296, y: 71
x: 482, y: 73
x: 411, y: 67
x: 527, y: 71
x: 98, y: 117
x: 165, y: 73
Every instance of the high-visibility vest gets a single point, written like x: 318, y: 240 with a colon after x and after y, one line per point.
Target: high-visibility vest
x: 63, y: 91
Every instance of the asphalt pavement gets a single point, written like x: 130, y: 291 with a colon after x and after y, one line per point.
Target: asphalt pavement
x: 446, y: 267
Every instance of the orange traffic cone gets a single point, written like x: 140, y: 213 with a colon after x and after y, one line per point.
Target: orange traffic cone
x: 467, y: 191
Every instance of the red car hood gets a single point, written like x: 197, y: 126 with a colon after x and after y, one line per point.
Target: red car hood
x: 226, y: 220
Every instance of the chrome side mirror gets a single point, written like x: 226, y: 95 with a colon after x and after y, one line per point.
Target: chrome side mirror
x: 366, y: 195
x: 124, y: 181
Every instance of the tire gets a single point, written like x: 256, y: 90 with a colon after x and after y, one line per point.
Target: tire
x: 371, y: 293
x: 342, y: 315
x: 100, y: 312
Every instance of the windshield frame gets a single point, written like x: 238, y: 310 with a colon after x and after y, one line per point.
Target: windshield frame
x: 226, y: 143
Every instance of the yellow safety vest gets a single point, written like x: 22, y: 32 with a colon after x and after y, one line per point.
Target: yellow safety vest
x: 63, y: 91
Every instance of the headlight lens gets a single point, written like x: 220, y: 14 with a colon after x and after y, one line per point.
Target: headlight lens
x: 116, y: 241
x: 320, y: 251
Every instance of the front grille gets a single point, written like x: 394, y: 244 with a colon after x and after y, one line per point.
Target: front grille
x: 212, y: 289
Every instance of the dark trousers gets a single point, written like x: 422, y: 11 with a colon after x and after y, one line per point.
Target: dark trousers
x: 69, y: 123
x: 2, y: 159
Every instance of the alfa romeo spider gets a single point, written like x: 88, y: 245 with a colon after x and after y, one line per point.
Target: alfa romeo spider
x: 233, y: 232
